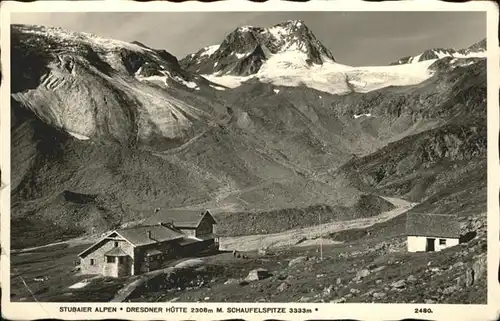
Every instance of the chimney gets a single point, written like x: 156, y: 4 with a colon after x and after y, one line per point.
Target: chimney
x: 157, y: 210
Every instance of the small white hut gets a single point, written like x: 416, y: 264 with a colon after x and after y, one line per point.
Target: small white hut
x: 431, y: 232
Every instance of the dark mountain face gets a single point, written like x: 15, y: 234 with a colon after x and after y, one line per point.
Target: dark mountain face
x: 103, y: 132
x: 244, y: 50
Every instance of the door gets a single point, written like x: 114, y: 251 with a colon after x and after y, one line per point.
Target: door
x: 124, y: 266
x: 430, y: 245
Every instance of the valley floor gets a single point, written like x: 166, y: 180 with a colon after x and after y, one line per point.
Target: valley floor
x: 313, y: 234
x: 371, y: 269
x: 367, y: 271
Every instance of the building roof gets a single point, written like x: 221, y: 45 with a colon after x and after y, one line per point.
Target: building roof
x: 139, y: 235
x: 116, y: 251
x: 433, y: 225
x: 180, y: 218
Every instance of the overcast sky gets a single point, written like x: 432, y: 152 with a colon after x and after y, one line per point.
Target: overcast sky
x: 354, y: 38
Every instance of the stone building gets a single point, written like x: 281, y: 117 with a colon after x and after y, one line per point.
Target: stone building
x: 148, y: 247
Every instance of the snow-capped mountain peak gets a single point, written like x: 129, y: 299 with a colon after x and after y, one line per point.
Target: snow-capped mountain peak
x: 288, y: 54
x: 247, y: 48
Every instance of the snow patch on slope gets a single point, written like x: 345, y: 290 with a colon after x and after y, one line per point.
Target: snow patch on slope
x: 241, y: 55
x: 78, y: 136
x: 210, y: 50
x: 164, y: 79
x: 479, y: 54
x: 415, y: 59
x: 442, y: 54
x: 361, y: 115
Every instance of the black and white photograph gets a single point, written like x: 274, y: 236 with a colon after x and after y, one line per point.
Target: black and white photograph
x: 248, y: 156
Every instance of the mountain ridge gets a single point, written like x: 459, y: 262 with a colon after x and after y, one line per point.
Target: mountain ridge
x: 476, y: 50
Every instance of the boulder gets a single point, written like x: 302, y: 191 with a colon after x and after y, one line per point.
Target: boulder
x: 341, y: 300
x: 380, y: 268
x: 369, y: 293
x: 451, y: 289
x: 328, y: 290
x: 305, y: 299
x: 469, y: 277
x: 411, y: 278
x: 399, y: 284
x: 378, y: 295
x: 461, y: 281
x: 456, y: 265
x: 258, y: 274
x: 283, y: 287
x: 231, y: 281
x: 282, y: 277
x: 362, y: 273
x: 479, y: 267
x: 297, y: 260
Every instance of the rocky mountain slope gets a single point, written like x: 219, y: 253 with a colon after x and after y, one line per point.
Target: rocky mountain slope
x: 104, y: 131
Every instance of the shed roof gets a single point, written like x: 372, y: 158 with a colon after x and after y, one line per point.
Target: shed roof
x: 437, y: 225
x: 139, y: 235
x: 180, y: 218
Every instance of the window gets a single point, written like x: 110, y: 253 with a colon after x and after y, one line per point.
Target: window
x: 92, y: 261
x: 120, y: 259
x: 110, y: 259
x: 442, y: 241
x: 116, y: 243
